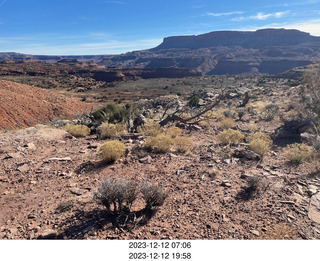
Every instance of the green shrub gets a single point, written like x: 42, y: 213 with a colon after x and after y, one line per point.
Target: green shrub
x: 161, y: 143
x: 111, y: 151
x: 182, y: 144
x: 111, y: 113
x: 77, y: 130
x: 194, y: 101
x: 231, y: 137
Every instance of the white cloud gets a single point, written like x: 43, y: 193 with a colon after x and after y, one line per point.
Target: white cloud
x: 311, y: 26
x: 261, y: 16
x: 222, y: 14
x: 91, y: 48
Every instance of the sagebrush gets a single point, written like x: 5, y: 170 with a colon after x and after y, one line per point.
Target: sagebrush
x: 111, y: 151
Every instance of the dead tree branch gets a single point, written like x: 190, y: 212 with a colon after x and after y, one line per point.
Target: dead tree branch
x: 174, y: 117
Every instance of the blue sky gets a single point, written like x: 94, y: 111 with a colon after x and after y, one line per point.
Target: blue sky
x: 75, y: 27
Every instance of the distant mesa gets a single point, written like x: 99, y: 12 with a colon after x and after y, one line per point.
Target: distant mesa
x: 256, y: 40
x: 265, y: 51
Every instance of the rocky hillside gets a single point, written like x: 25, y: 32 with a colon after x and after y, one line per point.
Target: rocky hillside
x: 22, y: 105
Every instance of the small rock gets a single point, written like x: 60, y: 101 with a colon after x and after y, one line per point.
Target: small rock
x: 146, y: 159
x: 3, y: 179
x: 180, y: 171
x: 48, y: 234
x: 226, y: 183
x: 31, y: 146
x: 314, y: 208
x: 31, y: 216
x: 227, y: 161
x: 312, y: 189
x: 60, y: 159
x: 13, y: 155
x: 255, y: 232
x: 93, y: 146
x: 172, y: 156
x: 23, y: 168
x: 77, y: 191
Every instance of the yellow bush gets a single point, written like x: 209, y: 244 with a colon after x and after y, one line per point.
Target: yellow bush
x: 227, y: 123
x: 110, y: 131
x: 260, y: 143
x: 230, y: 136
x: 77, y: 130
x: 298, y: 153
x: 173, y: 132
x: 161, y: 143
x: 182, y: 144
x: 111, y: 150
x: 150, y: 128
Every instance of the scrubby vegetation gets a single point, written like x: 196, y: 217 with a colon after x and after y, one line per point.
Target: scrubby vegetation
x: 173, y: 132
x: 116, y: 194
x: 110, y: 131
x: 150, y: 128
x: 182, y: 144
x: 298, y: 153
x: 161, y: 143
x: 227, y: 123
x: 231, y: 137
x: 111, y: 151
x: 260, y: 143
x: 111, y: 113
x: 77, y: 130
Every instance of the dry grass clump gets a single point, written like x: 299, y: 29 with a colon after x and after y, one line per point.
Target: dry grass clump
x: 227, y: 123
x: 173, y: 132
x: 260, y: 143
x: 204, y: 124
x: 231, y: 137
x: 278, y: 232
x: 77, y: 130
x: 182, y: 144
x: 298, y: 153
x: 111, y: 151
x: 150, y: 128
x: 110, y: 131
x: 161, y: 143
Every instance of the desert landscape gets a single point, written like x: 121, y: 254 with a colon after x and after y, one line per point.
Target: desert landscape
x: 90, y: 151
